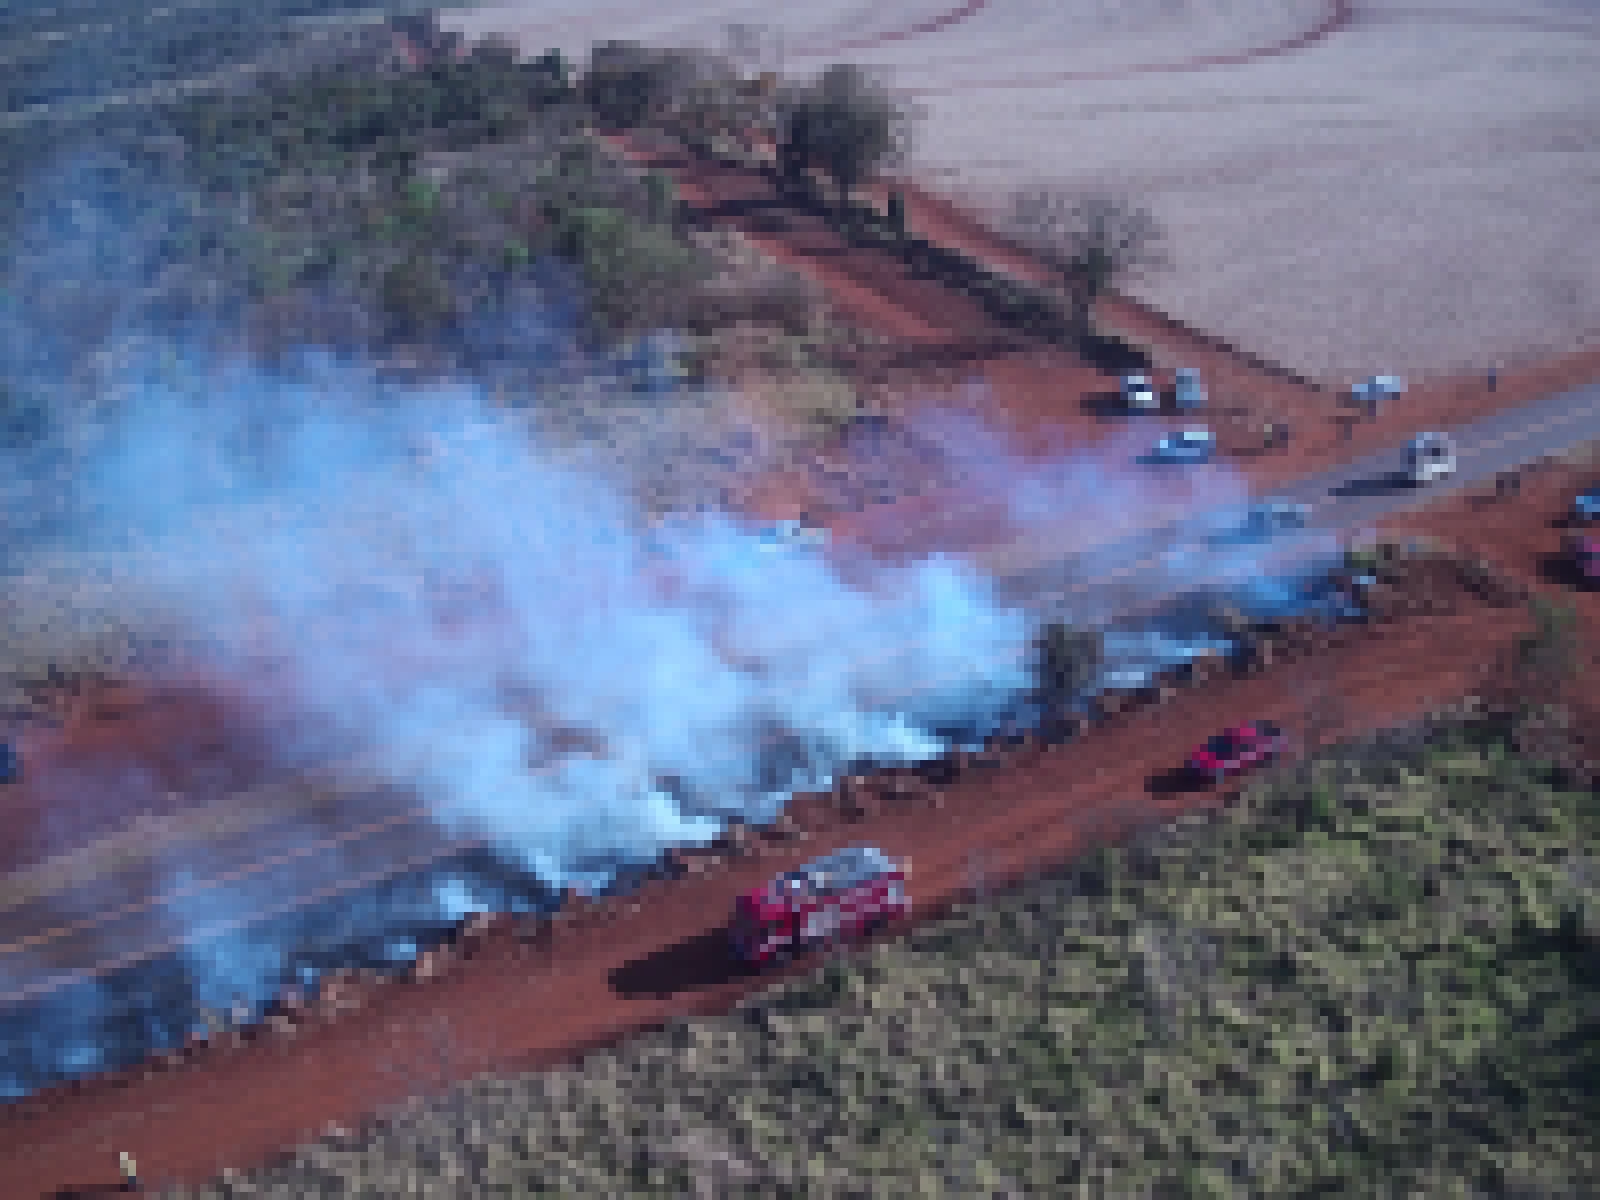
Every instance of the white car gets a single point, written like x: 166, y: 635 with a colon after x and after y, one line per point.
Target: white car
x: 1188, y: 392
x: 1187, y: 445
x: 1277, y: 516
x: 1430, y: 456
x: 1139, y: 394
x: 793, y: 533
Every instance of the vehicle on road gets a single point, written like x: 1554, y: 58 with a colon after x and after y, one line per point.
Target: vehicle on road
x: 1188, y: 393
x: 1272, y: 517
x: 1583, y: 555
x: 1139, y: 394
x: 10, y: 763
x: 1241, y: 748
x: 1378, y: 390
x: 1429, y: 457
x: 1263, y: 521
x: 793, y: 533
x: 1186, y: 446
x: 1586, y: 507
x: 844, y: 895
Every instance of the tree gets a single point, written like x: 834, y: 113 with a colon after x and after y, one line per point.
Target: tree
x: 897, y: 213
x: 634, y: 276
x: 661, y: 198
x: 847, y: 123
x: 1066, y: 662
x: 1088, y: 239
x: 417, y: 299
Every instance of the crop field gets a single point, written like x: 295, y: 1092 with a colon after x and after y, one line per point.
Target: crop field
x: 1349, y: 188
x: 1372, y: 977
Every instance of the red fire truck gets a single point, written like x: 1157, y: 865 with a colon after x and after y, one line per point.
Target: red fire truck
x: 847, y: 894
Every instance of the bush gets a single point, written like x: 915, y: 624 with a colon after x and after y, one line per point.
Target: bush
x: 1066, y: 661
x: 635, y: 275
x: 416, y: 299
x: 845, y: 123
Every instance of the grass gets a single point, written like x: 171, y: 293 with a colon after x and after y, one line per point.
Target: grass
x: 1376, y: 976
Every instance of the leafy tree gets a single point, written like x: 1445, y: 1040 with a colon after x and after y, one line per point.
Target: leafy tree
x: 1088, y: 239
x: 1547, y: 650
x: 1065, y: 663
x: 897, y: 213
x: 661, y: 198
x: 628, y: 85
x: 553, y: 65
x: 416, y: 298
x: 634, y: 275
x: 847, y: 123
x: 495, y: 50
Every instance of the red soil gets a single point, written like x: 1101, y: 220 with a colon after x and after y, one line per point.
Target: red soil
x: 660, y: 955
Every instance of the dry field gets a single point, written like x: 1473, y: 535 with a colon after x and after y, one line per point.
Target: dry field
x: 1410, y: 190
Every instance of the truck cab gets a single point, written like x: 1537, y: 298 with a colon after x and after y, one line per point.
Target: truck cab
x: 1429, y: 457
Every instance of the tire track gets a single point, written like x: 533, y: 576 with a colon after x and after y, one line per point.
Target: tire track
x: 1338, y: 16
x: 928, y: 25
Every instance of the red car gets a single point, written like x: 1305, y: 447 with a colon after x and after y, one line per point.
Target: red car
x: 847, y: 894
x: 1238, y: 749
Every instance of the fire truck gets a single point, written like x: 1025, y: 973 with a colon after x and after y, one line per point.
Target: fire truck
x: 848, y: 894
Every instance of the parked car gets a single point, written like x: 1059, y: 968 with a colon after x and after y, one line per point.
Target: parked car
x: 1272, y: 517
x: 1379, y: 389
x: 1429, y: 457
x: 847, y: 894
x: 1187, y: 445
x: 793, y: 533
x: 1139, y: 394
x: 1238, y: 749
x: 10, y: 763
x: 1188, y: 393
x: 1586, y: 507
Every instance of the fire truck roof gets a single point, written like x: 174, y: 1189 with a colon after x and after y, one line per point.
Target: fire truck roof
x: 841, y: 870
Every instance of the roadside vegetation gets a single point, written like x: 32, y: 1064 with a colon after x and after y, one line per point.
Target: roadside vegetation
x: 1377, y: 975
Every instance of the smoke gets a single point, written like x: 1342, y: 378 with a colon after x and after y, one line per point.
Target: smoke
x: 422, y: 581
x: 1139, y: 534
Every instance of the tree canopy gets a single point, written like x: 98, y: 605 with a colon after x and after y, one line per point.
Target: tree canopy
x: 1089, y: 239
x: 847, y: 123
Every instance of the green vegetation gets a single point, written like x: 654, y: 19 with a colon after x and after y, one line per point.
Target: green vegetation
x: 847, y: 124
x: 332, y: 119
x: 55, y: 52
x: 1065, y: 663
x: 1089, y: 239
x: 1376, y: 977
